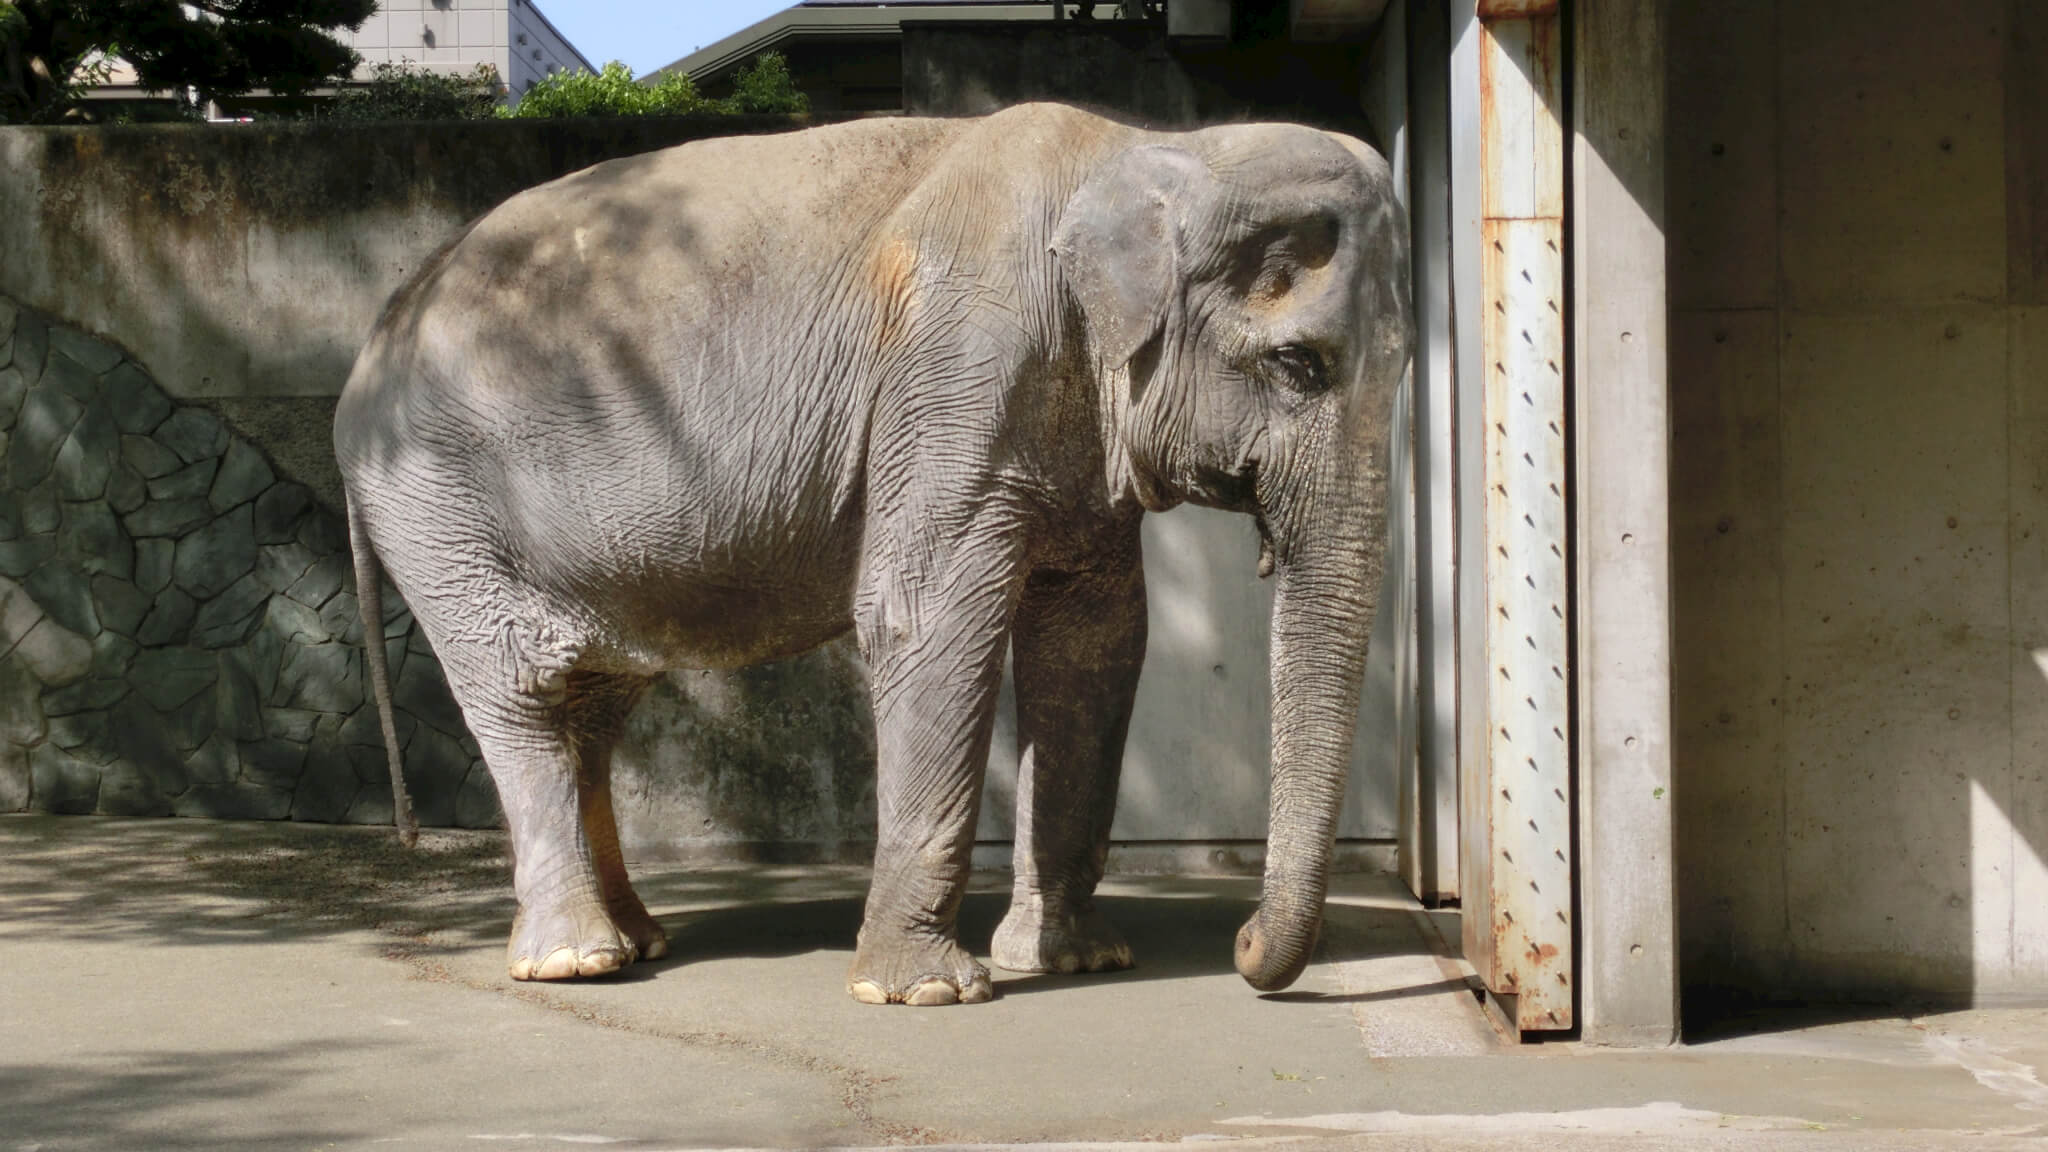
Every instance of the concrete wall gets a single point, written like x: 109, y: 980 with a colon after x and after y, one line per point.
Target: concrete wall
x: 1136, y: 70
x: 243, y: 266
x: 239, y: 268
x: 1859, y: 374
x: 972, y: 70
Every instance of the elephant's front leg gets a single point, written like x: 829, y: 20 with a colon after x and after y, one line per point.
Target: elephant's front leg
x: 1077, y: 645
x: 932, y: 626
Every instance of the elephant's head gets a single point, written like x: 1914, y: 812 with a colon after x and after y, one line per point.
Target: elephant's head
x: 1244, y: 294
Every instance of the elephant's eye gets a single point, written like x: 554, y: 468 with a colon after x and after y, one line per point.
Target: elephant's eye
x: 1300, y: 368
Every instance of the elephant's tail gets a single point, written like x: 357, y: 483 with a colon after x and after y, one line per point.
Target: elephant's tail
x: 370, y: 600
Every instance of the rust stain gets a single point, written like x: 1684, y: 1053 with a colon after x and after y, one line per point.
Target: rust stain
x: 1545, y: 43
x: 1521, y: 337
x: 1490, y: 10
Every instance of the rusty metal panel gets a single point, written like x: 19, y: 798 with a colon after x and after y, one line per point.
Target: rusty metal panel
x: 1528, y: 635
x: 1522, y: 133
x: 1492, y: 10
x: 1524, y: 785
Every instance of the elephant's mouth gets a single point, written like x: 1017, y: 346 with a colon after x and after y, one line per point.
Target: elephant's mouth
x: 1228, y: 491
x: 1231, y: 486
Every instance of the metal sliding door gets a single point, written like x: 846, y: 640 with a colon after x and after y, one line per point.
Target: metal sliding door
x: 1516, y: 798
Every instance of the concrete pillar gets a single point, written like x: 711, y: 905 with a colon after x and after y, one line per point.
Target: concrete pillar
x: 1628, y: 977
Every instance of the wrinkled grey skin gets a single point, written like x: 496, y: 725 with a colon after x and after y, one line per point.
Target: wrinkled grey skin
x: 917, y: 378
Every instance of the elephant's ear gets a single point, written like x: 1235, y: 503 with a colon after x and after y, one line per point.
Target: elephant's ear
x: 1118, y: 241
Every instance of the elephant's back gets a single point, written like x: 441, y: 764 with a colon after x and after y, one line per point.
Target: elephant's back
x: 652, y: 380
x: 632, y: 378
x: 674, y: 273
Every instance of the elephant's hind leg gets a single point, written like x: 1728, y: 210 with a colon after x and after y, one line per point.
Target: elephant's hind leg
x: 526, y: 720
x: 1078, y: 642
x: 599, y: 706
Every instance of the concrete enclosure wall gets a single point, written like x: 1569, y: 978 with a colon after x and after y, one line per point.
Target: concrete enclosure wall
x: 237, y: 269
x: 1859, y: 373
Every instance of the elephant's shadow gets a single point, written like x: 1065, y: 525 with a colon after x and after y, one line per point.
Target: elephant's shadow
x: 1174, y: 934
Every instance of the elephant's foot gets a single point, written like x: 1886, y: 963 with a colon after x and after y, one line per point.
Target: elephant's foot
x: 576, y: 939
x: 1036, y: 938
x: 922, y: 971
x: 638, y: 927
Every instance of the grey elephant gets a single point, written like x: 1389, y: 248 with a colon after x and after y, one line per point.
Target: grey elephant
x: 916, y: 378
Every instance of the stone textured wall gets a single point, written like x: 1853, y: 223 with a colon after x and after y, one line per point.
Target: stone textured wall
x: 179, y: 625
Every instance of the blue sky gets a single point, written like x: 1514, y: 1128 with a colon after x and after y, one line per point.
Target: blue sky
x: 647, y: 34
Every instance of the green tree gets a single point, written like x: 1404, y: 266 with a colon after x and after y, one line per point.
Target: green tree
x: 764, y: 86
x: 405, y: 91
x: 610, y: 92
x: 230, y: 47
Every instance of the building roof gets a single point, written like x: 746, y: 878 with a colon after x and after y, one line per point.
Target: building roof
x: 839, y: 18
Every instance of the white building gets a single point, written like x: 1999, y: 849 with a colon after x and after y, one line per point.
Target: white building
x: 457, y: 35
x: 448, y: 36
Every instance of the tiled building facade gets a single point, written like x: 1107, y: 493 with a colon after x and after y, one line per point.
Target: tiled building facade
x: 458, y: 35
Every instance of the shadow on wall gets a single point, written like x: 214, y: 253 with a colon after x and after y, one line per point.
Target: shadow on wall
x: 177, y: 622
x: 779, y: 753
x: 179, y: 635
x: 180, y: 626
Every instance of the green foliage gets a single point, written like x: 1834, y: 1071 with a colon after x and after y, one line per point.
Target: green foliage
x: 766, y: 86
x: 763, y: 87
x: 611, y: 92
x: 229, y: 47
x: 405, y: 91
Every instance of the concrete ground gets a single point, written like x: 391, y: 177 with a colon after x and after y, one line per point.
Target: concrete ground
x: 185, y: 984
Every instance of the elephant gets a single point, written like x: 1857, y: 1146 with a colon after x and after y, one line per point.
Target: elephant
x: 914, y: 378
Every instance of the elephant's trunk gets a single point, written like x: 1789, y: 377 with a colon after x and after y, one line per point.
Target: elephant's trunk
x: 1328, y: 568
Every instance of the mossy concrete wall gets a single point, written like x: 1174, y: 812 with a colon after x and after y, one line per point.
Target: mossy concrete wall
x: 192, y: 298
x: 182, y: 305
x: 244, y: 264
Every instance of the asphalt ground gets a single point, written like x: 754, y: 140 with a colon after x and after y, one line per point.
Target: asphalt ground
x: 191, y: 984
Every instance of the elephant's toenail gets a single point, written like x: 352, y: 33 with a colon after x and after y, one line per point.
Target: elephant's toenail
x: 932, y: 994
x: 560, y: 965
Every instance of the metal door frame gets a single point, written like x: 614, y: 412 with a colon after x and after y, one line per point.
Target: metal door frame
x: 1559, y: 586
